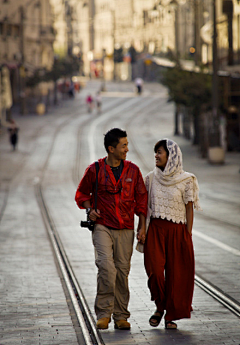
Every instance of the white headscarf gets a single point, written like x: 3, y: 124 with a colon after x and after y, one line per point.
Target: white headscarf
x: 173, y: 172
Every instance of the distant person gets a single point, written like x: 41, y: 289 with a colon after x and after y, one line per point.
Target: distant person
x: 98, y: 101
x: 89, y: 101
x: 168, y: 249
x: 139, y: 85
x: 71, y: 90
x: 121, y: 194
x: 13, y: 134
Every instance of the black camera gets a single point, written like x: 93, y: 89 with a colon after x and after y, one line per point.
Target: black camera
x: 87, y: 224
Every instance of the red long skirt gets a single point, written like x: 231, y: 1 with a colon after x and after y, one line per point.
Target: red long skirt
x: 169, y: 263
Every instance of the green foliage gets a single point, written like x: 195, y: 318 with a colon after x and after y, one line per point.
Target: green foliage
x: 36, y: 78
x: 64, y: 67
x: 190, y: 89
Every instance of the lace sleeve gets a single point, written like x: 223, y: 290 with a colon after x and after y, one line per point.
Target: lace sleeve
x: 189, y: 191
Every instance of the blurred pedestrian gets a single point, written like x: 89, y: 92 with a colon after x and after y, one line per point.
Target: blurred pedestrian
x: 121, y: 194
x: 98, y: 101
x: 89, y: 101
x: 13, y: 134
x: 139, y: 85
x: 168, y: 250
x: 71, y: 90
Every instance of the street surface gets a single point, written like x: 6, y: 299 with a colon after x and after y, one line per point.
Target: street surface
x: 55, y: 149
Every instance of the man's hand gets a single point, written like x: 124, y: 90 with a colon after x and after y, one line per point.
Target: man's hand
x: 141, y: 234
x: 93, y: 215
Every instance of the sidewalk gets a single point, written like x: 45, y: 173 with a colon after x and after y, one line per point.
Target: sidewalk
x: 33, y: 305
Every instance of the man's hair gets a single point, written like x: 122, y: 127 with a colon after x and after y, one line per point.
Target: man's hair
x: 111, y: 138
x: 162, y: 143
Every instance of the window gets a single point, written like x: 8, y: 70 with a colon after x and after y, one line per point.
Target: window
x: 9, y: 30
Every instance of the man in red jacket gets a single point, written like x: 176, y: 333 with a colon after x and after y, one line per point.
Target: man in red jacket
x: 121, y: 194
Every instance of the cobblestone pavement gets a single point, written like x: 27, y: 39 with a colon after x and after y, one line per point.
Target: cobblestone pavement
x: 33, y: 306
x: 34, y: 309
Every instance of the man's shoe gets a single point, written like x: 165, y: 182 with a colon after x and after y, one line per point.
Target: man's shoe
x: 103, y: 323
x: 122, y: 324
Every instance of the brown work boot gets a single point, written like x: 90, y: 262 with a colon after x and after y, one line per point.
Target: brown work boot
x: 122, y: 324
x: 103, y: 323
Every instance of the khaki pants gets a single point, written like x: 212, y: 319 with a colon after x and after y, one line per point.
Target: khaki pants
x: 113, y: 251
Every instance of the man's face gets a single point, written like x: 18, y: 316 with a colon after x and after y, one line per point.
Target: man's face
x: 120, y: 152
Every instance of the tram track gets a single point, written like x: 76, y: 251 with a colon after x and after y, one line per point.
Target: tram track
x: 209, y: 288
x: 83, y: 314
x: 85, y: 319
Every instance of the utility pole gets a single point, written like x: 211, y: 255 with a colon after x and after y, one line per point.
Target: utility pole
x: 214, y: 135
x: 216, y: 153
x: 22, y: 68
x: 197, y: 38
x: 113, y: 40
x: 177, y: 30
x: 228, y: 10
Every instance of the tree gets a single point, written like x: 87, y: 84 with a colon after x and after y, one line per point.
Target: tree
x: 118, y: 55
x: 172, y: 80
x: 190, y: 89
x: 133, y: 54
x: 66, y: 67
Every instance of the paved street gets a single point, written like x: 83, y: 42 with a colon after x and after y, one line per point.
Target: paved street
x: 55, y: 149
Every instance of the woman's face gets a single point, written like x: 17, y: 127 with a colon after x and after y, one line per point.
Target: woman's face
x: 161, y: 157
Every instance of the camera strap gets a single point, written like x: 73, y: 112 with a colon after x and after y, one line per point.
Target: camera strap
x: 97, y: 170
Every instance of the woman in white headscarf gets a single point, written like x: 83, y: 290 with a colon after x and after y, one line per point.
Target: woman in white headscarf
x: 168, y: 250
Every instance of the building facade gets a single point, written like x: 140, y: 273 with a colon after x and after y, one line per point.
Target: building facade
x: 26, y: 33
x: 60, y: 44
x: 26, y: 40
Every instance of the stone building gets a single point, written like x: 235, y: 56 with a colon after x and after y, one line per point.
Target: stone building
x: 26, y: 33
x: 60, y: 43
x: 26, y: 39
x: 85, y: 26
x: 163, y: 28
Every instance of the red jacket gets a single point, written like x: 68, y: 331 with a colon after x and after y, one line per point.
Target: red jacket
x: 116, y: 210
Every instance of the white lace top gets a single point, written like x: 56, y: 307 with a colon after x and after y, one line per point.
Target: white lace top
x: 169, y: 201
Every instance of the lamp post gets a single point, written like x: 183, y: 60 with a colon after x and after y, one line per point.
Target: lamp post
x: 197, y: 38
x: 215, y: 132
x: 215, y: 152
x: 22, y: 68
x: 174, y: 4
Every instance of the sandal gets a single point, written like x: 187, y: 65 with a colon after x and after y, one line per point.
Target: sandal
x: 157, y: 317
x: 170, y: 325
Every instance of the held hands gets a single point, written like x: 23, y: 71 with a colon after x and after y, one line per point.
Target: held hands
x: 141, y: 234
x: 93, y: 215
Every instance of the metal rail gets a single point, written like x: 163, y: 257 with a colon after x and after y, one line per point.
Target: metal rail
x: 220, y: 296
x: 85, y: 319
x: 89, y: 331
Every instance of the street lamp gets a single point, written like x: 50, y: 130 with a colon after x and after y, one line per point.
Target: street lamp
x: 215, y: 132
x: 174, y: 4
x: 215, y: 152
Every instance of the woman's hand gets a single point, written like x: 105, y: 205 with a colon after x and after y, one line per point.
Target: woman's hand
x: 141, y: 235
x: 141, y: 230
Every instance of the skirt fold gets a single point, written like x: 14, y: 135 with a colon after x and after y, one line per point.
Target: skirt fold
x: 169, y: 263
